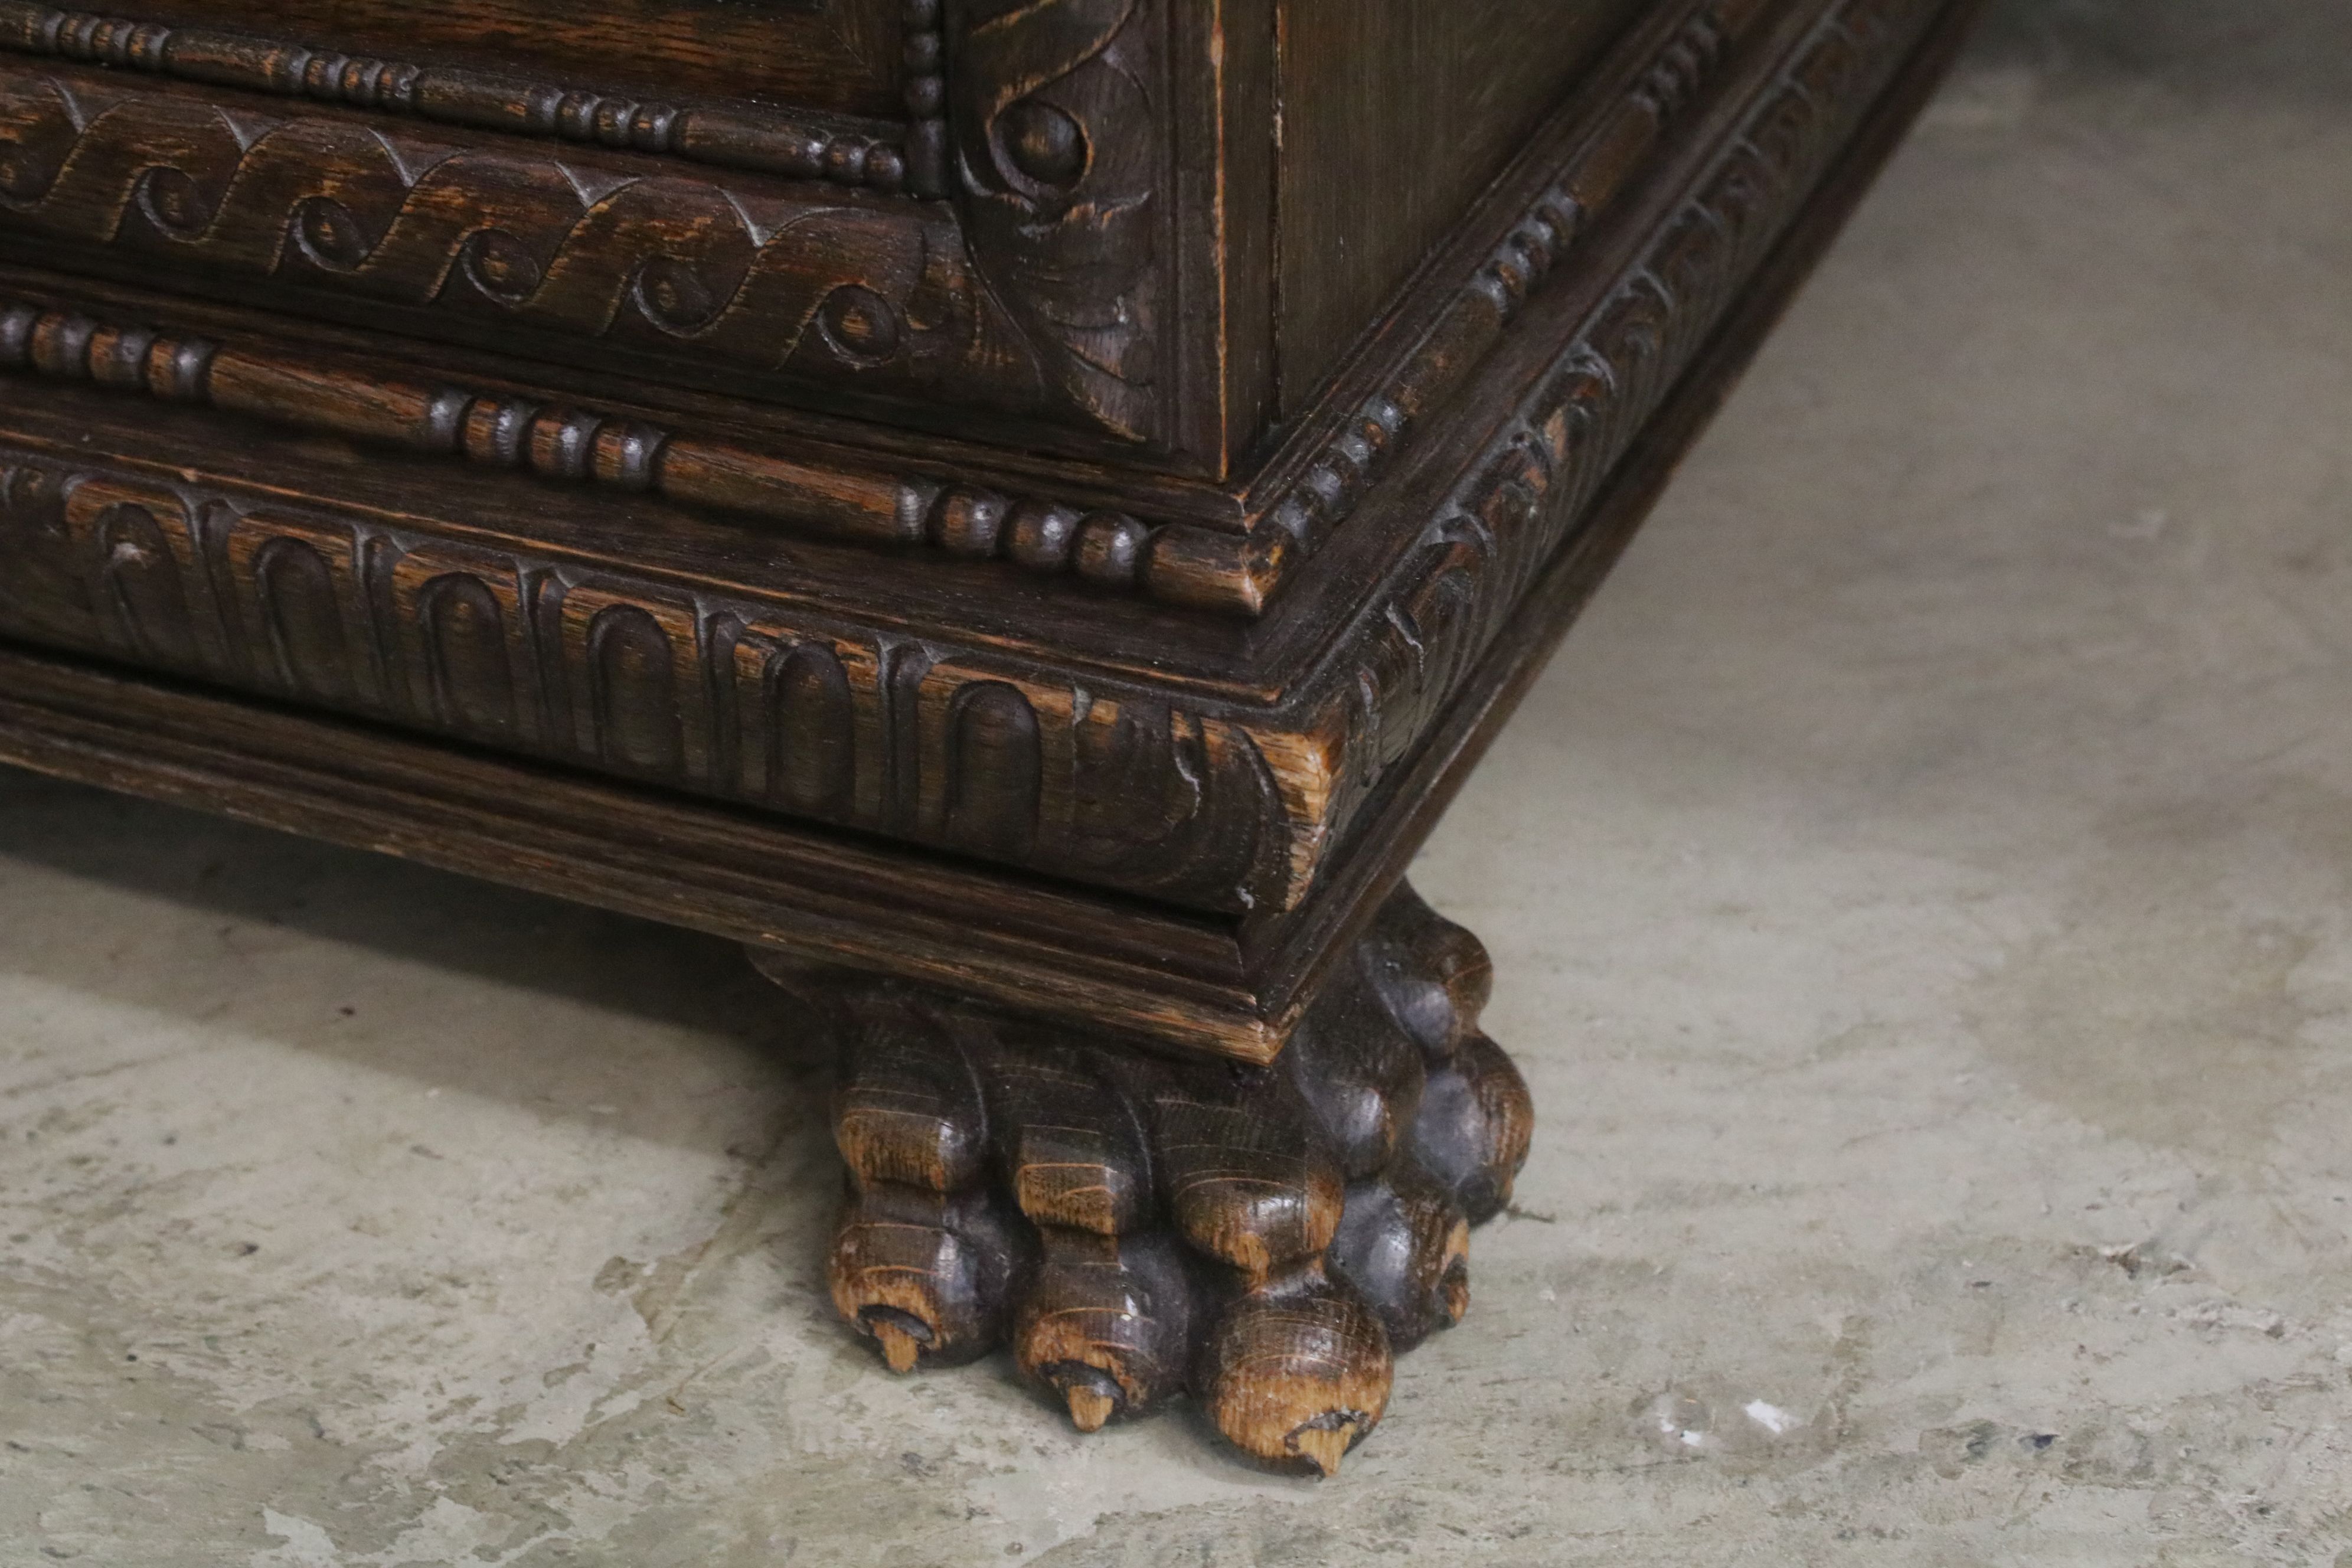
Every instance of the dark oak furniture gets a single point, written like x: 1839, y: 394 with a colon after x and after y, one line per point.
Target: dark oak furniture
x: 1020, y: 510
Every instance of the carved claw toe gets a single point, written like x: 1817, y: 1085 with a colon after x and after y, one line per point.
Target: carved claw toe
x: 1297, y: 1373
x: 1106, y: 1324
x: 1404, y: 1243
x: 927, y: 1275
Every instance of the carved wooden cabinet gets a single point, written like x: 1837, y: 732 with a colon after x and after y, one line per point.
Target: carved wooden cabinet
x: 1032, y: 504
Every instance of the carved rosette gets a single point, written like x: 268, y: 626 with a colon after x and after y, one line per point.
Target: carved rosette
x: 1058, y: 158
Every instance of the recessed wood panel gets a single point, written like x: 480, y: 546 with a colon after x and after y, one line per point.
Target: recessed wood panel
x: 839, y: 55
x: 1395, y: 115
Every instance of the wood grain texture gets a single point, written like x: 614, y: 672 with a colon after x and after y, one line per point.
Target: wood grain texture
x: 1563, y: 185
x: 514, y: 650
x: 567, y: 251
x: 1480, y: 542
x: 1062, y: 171
x: 502, y: 427
x: 864, y: 703
x: 1059, y: 168
x: 1672, y: 71
x: 1044, y: 297
x: 1147, y: 1228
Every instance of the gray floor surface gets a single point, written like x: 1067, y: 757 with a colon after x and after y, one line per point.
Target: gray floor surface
x: 1920, y: 897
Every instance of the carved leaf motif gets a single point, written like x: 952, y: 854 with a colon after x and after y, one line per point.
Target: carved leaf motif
x: 140, y: 586
x: 303, y: 621
x: 468, y: 682
x: 43, y: 595
x: 1164, y: 795
x: 994, y: 782
x: 632, y: 674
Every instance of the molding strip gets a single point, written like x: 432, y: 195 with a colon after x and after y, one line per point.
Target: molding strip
x: 1181, y: 563
x: 756, y: 876
x: 737, y: 136
x: 1227, y: 803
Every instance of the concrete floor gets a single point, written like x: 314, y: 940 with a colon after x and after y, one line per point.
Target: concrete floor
x: 1920, y: 897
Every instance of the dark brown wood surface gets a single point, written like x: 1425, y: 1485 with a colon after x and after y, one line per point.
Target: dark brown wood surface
x: 1219, y: 766
x: 1637, y: 125
x: 1025, y: 521
x: 489, y: 88
x: 1135, y: 253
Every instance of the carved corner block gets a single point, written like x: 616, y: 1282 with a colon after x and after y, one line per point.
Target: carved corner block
x: 1060, y: 170
x: 1133, y: 1229
x: 1003, y: 249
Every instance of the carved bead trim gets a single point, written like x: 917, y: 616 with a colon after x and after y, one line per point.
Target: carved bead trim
x: 740, y: 136
x: 1207, y: 568
x: 1107, y: 549
x: 613, y: 664
x: 926, y: 99
x: 801, y: 285
x: 132, y: 359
